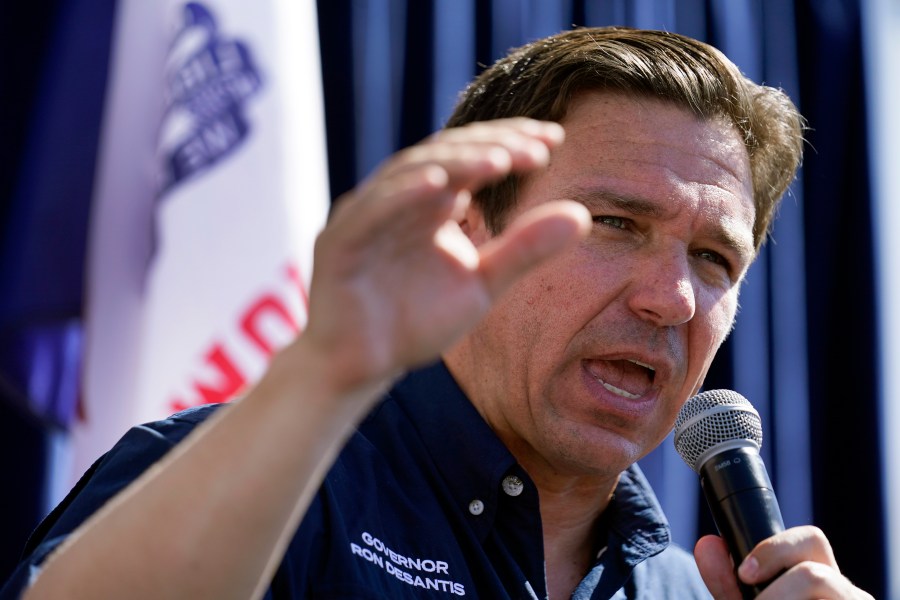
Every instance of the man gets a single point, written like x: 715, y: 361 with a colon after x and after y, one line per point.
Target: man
x: 575, y: 305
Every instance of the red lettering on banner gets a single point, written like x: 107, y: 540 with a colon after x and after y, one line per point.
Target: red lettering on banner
x: 250, y: 323
x: 230, y: 381
x: 269, y: 308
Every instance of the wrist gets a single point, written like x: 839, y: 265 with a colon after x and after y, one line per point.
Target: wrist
x: 301, y: 374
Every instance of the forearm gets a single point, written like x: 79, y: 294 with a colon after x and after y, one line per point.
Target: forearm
x: 213, y: 517
x: 396, y: 281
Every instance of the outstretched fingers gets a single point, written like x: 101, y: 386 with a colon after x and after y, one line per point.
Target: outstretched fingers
x: 434, y: 179
x: 389, y: 204
x: 396, y: 280
x: 481, y: 151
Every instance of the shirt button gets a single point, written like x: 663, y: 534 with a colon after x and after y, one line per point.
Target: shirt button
x: 512, y: 485
x: 476, y: 507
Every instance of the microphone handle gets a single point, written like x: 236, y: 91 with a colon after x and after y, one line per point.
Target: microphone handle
x: 743, y: 504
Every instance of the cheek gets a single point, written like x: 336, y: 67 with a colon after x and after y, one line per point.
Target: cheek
x: 714, y: 318
x: 556, y: 288
x: 588, y: 275
x: 712, y: 329
x: 721, y: 324
x: 549, y: 306
x: 718, y: 308
x: 542, y: 315
x: 545, y: 310
x: 526, y: 315
x: 725, y: 315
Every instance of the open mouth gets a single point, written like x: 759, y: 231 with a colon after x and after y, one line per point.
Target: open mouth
x: 627, y: 378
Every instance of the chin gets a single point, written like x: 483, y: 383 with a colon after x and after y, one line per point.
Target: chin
x: 596, y: 451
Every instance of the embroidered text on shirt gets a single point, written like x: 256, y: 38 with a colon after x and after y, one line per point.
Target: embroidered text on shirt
x: 377, y: 553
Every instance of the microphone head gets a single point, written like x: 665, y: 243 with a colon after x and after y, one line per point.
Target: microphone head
x: 714, y: 421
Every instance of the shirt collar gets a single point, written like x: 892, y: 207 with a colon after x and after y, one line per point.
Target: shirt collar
x: 636, y: 519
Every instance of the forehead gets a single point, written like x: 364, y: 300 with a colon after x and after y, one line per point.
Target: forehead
x: 637, y: 147
x: 649, y: 130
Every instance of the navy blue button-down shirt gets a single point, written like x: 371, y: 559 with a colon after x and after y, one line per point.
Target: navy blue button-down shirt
x: 423, y: 502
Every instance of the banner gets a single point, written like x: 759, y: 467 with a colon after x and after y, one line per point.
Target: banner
x: 211, y: 188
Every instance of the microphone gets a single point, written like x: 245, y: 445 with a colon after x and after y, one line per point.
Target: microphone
x: 718, y: 434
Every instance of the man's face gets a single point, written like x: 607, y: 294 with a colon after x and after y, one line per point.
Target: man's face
x: 583, y: 365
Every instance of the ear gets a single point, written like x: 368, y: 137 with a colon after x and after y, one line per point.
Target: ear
x: 473, y: 225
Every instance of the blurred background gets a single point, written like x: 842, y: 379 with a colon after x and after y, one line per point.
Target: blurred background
x: 203, y: 116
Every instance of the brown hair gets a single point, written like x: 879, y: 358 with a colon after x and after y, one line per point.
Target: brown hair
x: 540, y: 79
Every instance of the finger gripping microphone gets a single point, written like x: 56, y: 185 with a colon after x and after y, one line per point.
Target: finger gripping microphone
x: 718, y: 434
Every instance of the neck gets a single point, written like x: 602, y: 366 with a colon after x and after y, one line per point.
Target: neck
x: 572, y: 511
x: 571, y: 499
x: 569, y: 514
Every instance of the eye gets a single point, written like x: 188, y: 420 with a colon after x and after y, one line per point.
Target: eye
x: 715, y: 258
x: 610, y: 221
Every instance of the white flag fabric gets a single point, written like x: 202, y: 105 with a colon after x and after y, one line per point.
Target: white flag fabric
x: 211, y: 187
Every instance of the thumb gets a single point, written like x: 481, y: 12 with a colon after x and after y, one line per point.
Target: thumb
x: 536, y: 235
x: 716, y: 568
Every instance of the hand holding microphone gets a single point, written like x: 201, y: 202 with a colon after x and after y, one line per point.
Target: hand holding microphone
x: 718, y: 434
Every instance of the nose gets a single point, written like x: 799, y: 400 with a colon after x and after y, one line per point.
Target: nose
x: 663, y: 290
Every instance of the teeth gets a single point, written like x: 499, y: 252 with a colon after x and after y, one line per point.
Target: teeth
x: 618, y: 391
x: 640, y: 364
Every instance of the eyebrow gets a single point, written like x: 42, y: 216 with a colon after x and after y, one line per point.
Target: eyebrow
x: 606, y: 199
x: 600, y: 199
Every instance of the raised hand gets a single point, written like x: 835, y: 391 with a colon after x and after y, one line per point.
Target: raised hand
x: 396, y: 280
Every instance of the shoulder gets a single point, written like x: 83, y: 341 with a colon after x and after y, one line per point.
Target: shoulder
x: 137, y: 450
x: 141, y: 446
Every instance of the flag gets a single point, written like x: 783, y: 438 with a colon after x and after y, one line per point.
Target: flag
x: 211, y: 187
